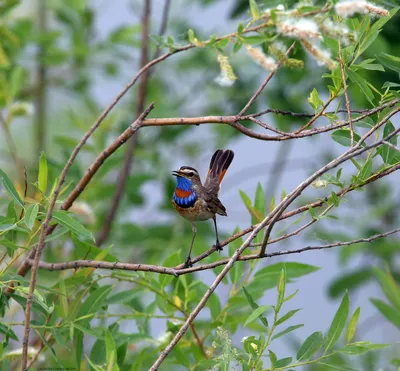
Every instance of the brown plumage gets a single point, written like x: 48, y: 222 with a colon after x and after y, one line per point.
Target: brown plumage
x: 201, y: 202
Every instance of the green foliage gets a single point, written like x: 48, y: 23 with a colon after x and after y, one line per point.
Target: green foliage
x: 120, y: 320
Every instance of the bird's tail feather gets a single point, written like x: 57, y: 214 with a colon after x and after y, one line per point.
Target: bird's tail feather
x: 219, y: 164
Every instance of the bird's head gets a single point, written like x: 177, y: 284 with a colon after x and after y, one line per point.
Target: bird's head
x: 187, y: 178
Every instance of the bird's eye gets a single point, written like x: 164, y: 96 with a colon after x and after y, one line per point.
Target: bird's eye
x: 191, y: 173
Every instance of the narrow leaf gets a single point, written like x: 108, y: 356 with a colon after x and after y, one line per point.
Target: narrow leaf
x: 310, y: 346
x: 286, y: 331
x: 257, y: 313
x: 9, y: 186
x: 390, y: 313
x: 43, y: 171
x: 31, y: 214
x: 351, y: 329
x: 73, y: 225
x: 338, y: 323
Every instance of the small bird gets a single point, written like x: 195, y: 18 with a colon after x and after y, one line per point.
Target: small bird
x: 197, y: 202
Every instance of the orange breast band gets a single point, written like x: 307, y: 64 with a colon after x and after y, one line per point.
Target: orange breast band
x: 181, y: 193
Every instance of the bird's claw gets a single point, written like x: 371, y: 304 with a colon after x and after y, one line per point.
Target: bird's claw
x: 188, y: 263
x: 218, y: 246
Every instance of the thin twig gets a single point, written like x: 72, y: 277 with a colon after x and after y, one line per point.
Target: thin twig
x: 169, y: 271
x: 344, y: 78
x: 130, y: 148
x: 317, y: 115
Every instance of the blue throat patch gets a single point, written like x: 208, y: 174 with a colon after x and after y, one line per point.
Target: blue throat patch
x: 184, y: 185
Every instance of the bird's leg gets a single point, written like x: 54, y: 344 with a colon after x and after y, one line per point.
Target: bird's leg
x: 217, y: 244
x: 188, y: 262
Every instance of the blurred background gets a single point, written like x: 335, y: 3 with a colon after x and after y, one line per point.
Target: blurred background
x: 77, y: 55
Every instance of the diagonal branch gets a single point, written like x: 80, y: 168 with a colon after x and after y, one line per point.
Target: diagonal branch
x: 129, y: 153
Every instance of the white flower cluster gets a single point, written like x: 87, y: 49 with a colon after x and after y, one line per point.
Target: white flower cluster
x: 227, y: 77
x: 266, y: 62
x: 308, y: 32
x: 323, y: 57
x: 347, y: 8
x: 300, y: 29
x: 338, y: 31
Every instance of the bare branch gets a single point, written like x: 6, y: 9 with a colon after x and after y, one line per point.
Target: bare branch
x: 178, y: 272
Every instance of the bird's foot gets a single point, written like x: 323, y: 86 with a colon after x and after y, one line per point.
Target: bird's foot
x: 218, y: 246
x: 188, y: 263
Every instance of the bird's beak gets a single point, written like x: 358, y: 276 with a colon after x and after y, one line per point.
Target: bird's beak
x: 176, y: 173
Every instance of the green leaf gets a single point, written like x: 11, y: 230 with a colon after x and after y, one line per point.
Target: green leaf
x: 66, y: 220
x: 254, y: 305
x: 272, y: 357
x: 315, y: 100
x: 366, y: 170
x: 43, y: 173
x: 286, y: 331
x: 78, y: 348
x: 191, y: 36
x: 283, y: 362
x: 338, y: 323
x: 7, y: 331
x: 31, y: 214
x: 389, y: 287
x: 237, y: 46
x: 343, y: 137
x: 361, y: 347
x: 257, y: 313
x: 389, y: 155
x: 351, y: 328
x: 111, y: 352
x: 9, y: 187
x: 259, y: 201
x: 349, y: 281
x: 390, y: 61
x: 362, y: 84
x: 389, y: 312
x: 310, y: 346
x: 285, y: 317
x: 293, y: 270
x: 254, y: 9
x: 92, y: 303
x: 257, y: 217
x: 281, y: 289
